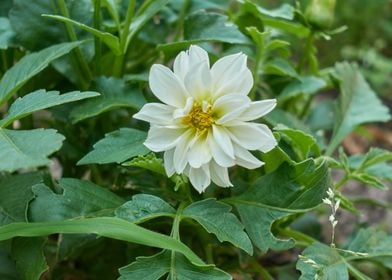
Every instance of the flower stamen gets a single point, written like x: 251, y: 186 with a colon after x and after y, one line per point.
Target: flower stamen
x: 199, y: 118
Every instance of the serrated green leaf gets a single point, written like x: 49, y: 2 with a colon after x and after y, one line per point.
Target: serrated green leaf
x: 216, y: 218
x: 79, y: 199
x: 27, y: 148
x: 29, y: 66
x: 117, y: 146
x: 371, y: 180
x: 328, y: 263
x: 115, y: 93
x: 148, y: 162
x: 15, y: 194
x: 39, y: 100
x: 308, y: 85
x: 144, y: 207
x: 178, y: 267
x: 357, y: 104
x: 373, y: 157
x: 104, y: 226
x: 110, y: 40
x: 302, y: 187
x: 29, y: 258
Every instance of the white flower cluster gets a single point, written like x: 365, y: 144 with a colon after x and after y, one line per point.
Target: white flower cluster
x: 204, y: 125
x: 334, y: 203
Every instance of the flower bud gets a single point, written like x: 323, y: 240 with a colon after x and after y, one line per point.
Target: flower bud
x: 320, y: 13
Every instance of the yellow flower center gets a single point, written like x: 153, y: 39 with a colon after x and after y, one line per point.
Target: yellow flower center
x: 199, y: 119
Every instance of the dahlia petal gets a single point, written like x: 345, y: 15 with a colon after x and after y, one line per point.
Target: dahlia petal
x: 156, y: 113
x: 161, y: 138
x: 168, y: 159
x: 200, y: 178
x: 222, y: 138
x: 257, y: 110
x: 252, y: 136
x: 167, y: 87
x: 229, y: 107
x: 198, y: 81
x: 188, y: 59
x: 245, y: 159
x: 199, y: 153
x: 181, y: 151
x: 220, y: 175
x: 231, y: 75
x: 218, y: 154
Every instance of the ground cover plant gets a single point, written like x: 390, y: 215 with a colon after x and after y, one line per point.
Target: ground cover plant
x: 195, y: 139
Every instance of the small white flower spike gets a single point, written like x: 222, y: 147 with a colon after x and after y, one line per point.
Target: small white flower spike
x: 204, y: 125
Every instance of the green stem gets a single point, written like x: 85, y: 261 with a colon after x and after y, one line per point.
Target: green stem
x: 175, y: 233
x: 256, y: 76
x: 119, y: 61
x: 342, y: 181
x: 263, y: 273
x: 307, y: 52
x: 304, y: 238
x: 97, y: 41
x: 355, y: 272
x: 84, y: 68
x: 181, y: 19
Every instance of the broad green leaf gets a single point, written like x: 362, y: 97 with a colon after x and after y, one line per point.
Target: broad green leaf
x: 303, y: 144
x: 115, y: 93
x: 279, y: 116
x: 285, y: 11
x: 216, y: 218
x: 29, y: 257
x: 178, y: 267
x: 15, y: 194
x: 104, y: 226
x: 147, y: 10
x: 8, y: 269
x: 357, y: 104
x: 27, y: 148
x: 328, y: 263
x: 144, y: 207
x: 29, y: 66
x: 279, y: 67
x: 274, y: 159
x: 39, y: 100
x: 110, y: 40
x: 78, y: 199
x: 322, y: 116
x: 302, y: 187
x: 6, y: 34
x: 117, y: 146
x: 303, y: 85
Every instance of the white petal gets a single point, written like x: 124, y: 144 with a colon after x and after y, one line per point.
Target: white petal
x: 245, y: 159
x: 220, y: 175
x: 187, y: 60
x: 222, y: 138
x: 161, y: 138
x: 198, y: 81
x: 182, y: 112
x: 257, y: 110
x: 166, y: 86
x: 229, y: 107
x: 200, y: 178
x: 156, y: 113
x: 181, y: 150
x: 218, y: 154
x: 199, y: 153
x: 252, y: 136
x: 231, y: 75
x: 168, y: 158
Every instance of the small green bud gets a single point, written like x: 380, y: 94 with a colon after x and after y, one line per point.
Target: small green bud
x: 320, y: 13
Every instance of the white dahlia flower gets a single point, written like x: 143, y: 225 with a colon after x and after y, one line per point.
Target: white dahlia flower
x: 203, y: 126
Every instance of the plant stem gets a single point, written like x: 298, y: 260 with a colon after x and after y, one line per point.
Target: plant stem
x: 263, y: 273
x: 175, y: 233
x: 256, y: 76
x: 119, y: 61
x: 84, y: 68
x: 355, y: 272
x: 97, y: 41
x: 298, y: 235
x: 342, y: 181
x: 181, y: 19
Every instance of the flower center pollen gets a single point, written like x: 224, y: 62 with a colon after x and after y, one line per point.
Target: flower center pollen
x: 199, y: 119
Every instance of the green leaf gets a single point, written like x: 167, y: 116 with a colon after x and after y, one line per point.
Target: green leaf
x: 104, y: 226
x: 144, y: 207
x: 307, y: 85
x: 6, y: 34
x: 15, y: 194
x: 205, y: 26
x: 371, y: 180
x: 322, y: 116
x: 117, y: 146
x: 29, y: 258
x: 178, y: 267
x: 148, y: 162
x: 375, y: 156
x: 357, y: 104
x: 328, y: 263
x: 285, y: 11
x: 303, y: 144
x: 8, y: 269
x: 280, y: 67
x: 115, y: 93
x: 29, y: 66
x: 27, y: 148
x: 39, y: 100
x: 110, y: 40
x: 216, y: 218
x: 302, y: 187
x: 79, y: 199
x: 279, y: 116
